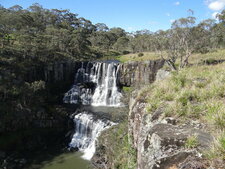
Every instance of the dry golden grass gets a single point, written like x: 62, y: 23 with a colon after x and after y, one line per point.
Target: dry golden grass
x: 215, y: 55
x: 196, y: 58
x: 135, y: 57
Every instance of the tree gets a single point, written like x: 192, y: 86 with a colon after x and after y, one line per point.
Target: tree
x: 219, y: 29
x: 121, y: 44
x: 204, y: 37
x: 101, y: 27
x: 181, y: 42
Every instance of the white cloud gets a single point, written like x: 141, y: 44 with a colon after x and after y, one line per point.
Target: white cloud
x: 177, y: 3
x: 216, y: 5
x: 172, y: 20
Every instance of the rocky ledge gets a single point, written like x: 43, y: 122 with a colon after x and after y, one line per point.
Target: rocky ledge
x: 161, y: 142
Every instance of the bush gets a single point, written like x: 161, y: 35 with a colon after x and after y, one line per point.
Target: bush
x: 127, y: 89
x: 125, y: 52
x: 191, y: 142
x: 140, y: 54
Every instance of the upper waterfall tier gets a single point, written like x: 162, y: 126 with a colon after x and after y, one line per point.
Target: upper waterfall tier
x: 95, y: 84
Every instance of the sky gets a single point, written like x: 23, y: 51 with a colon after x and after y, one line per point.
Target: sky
x: 131, y: 15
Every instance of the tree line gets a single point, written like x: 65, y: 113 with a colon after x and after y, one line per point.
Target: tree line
x: 52, y: 33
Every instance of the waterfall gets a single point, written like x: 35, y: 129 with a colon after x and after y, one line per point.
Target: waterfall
x: 87, y: 130
x: 95, y: 85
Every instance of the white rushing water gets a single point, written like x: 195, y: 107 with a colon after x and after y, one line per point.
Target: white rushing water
x: 87, y: 130
x: 95, y: 84
x: 104, y: 76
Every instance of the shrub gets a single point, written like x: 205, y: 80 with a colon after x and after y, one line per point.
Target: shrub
x: 191, y: 142
x: 125, y: 52
x: 127, y: 89
x: 140, y: 54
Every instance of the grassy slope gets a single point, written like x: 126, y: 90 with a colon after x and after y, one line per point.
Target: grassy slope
x: 194, y: 59
x: 135, y: 57
x: 194, y: 93
x: 217, y: 55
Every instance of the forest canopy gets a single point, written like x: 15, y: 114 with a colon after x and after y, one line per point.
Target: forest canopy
x: 49, y: 34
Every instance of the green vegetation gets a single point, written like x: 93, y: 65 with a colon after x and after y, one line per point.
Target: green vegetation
x: 115, y: 145
x: 196, y: 93
x: 218, y: 149
x: 191, y: 142
x: 127, y: 89
x: 140, y: 54
x: 199, y: 58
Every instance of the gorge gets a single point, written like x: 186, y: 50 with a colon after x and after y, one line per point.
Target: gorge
x: 97, y: 84
x: 96, y: 107
x: 80, y: 95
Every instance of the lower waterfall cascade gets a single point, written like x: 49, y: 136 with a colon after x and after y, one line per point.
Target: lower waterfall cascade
x: 102, y: 75
x: 87, y: 130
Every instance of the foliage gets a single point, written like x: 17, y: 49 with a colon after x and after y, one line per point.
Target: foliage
x: 191, y: 142
x: 127, y: 89
x: 140, y: 54
x: 120, y: 153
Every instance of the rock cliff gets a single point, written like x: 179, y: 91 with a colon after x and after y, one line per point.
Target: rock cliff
x: 139, y: 73
x: 160, y: 140
x: 131, y: 73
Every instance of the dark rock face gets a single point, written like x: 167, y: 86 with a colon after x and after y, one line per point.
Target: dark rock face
x: 130, y: 74
x: 54, y: 72
x: 139, y: 73
x: 160, y: 141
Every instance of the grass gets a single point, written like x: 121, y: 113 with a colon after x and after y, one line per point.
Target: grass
x: 191, y: 142
x: 218, y: 148
x: 193, y: 93
x: 127, y: 89
x: 135, y: 57
x: 196, y: 58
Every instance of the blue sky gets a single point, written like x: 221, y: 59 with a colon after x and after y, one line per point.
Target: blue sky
x: 131, y: 15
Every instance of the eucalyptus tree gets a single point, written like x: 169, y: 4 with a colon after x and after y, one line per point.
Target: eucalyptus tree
x: 219, y: 29
x: 205, y: 36
x: 121, y: 44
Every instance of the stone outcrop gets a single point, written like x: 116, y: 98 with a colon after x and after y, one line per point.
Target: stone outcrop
x: 132, y: 73
x: 160, y: 141
x: 139, y: 73
x: 54, y: 72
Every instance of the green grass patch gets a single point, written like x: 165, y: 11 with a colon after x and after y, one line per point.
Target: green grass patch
x: 191, y: 142
x: 218, y: 149
x: 196, y: 92
x: 127, y: 89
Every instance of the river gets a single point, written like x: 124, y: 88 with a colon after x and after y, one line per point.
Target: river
x: 69, y: 160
